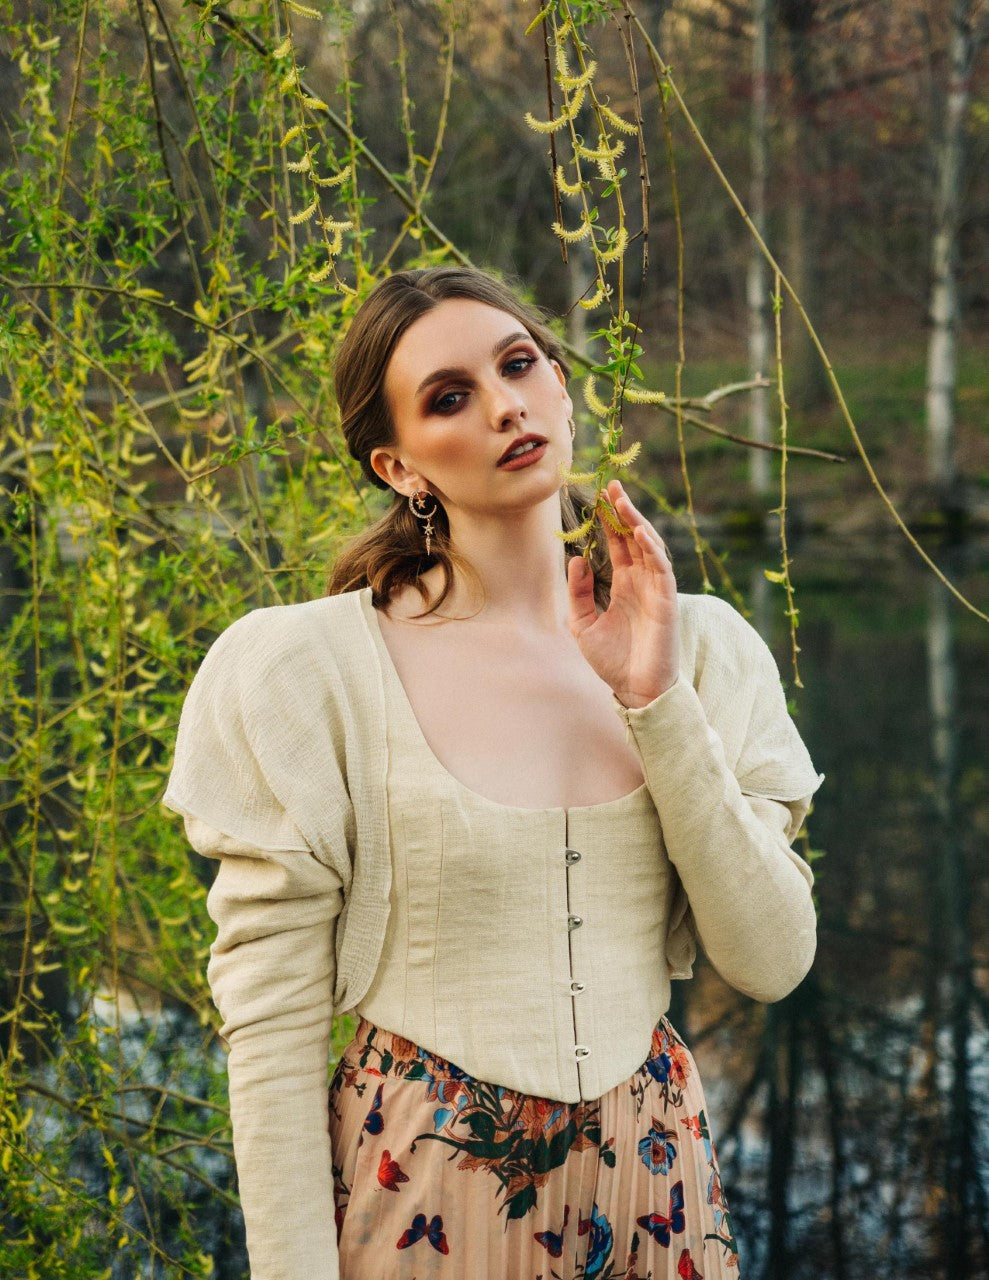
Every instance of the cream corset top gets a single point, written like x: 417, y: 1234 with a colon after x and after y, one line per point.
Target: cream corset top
x: 587, y: 892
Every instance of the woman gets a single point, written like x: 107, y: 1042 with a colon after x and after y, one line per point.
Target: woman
x: 426, y: 809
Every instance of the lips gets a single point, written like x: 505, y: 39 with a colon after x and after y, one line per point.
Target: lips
x: 520, y: 447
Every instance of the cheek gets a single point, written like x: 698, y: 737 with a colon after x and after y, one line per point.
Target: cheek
x: 449, y: 448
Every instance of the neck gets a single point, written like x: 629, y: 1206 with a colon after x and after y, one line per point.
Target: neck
x: 519, y: 566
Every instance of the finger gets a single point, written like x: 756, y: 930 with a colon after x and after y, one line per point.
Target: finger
x: 620, y: 547
x: 655, y: 556
x: 624, y: 506
x: 580, y: 593
x: 631, y: 516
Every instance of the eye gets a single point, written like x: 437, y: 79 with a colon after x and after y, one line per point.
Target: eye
x: 520, y: 363
x: 448, y: 402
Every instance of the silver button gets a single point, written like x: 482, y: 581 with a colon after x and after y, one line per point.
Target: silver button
x: 574, y: 922
x: 576, y: 988
x: 580, y: 1050
x: 571, y: 856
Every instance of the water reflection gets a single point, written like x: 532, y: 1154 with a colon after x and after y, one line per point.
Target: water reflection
x: 853, y: 1115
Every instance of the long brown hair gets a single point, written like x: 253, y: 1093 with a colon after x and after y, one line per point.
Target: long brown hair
x: 391, y: 553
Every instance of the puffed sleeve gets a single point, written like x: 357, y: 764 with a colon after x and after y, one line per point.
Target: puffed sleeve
x: 732, y: 782
x: 272, y: 964
x: 271, y: 973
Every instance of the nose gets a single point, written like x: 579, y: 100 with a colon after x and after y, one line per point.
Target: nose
x: 506, y: 405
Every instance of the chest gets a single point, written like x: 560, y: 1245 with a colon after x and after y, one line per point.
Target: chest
x: 521, y: 721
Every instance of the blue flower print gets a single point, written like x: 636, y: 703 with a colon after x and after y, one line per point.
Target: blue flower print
x: 659, y: 1067
x: 600, y: 1245
x: 658, y: 1149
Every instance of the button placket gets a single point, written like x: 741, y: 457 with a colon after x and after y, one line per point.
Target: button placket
x: 571, y: 858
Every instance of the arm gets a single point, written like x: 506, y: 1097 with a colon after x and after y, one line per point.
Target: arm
x: 271, y: 972
x: 749, y: 892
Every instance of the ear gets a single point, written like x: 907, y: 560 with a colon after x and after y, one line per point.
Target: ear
x: 389, y: 466
x: 562, y: 378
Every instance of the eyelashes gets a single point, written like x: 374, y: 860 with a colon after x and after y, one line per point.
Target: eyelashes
x: 517, y: 366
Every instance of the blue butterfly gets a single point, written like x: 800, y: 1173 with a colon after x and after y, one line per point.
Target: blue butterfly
x: 433, y: 1230
x: 660, y: 1227
x: 374, y: 1121
x: 552, y: 1241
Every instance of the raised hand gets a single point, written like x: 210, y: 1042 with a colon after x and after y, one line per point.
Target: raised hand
x: 634, y: 645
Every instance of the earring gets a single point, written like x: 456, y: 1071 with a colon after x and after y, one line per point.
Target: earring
x: 419, y: 505
x: 573, y: 429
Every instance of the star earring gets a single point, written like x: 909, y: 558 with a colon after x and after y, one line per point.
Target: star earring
x: 419, y: 504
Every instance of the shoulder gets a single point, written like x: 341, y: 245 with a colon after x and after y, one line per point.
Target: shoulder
x: 283, y: 652
x: 279, y: 632
x: 717, y: 639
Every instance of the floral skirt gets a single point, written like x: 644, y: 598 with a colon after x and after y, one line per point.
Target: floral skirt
x: 437, y: 1174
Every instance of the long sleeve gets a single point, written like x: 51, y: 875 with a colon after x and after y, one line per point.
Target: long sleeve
x: 271, y: 972
x: 727, y: 824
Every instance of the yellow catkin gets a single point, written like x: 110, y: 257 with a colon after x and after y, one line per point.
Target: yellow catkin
x: 568, y: 188
x: 335, y: 179
x: 618, y: 247
x: 617, y: 121
x: 576, y: 102
x: 304, y: 214
x: 577, y: 535
x: 571, y: 83
x: 300, y: 166
x: 291, y: 136
x: 596, y: 298
x: 545, y: 126
x: 641, y: 395
x: 603, y: 151
x: 612, y: 521
x: 572, y: 237
x: 592, y: 399
x: 628, y: 457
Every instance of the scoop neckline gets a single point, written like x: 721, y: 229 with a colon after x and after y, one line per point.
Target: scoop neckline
x: 391, y: 674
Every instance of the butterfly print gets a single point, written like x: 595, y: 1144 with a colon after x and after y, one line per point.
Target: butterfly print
x: 433, y: 1230
x: 552, y: 1241
x: 519, y: 1160
x: 373, y: 1121
x: 660, y: 1227
x: 389, y: 1174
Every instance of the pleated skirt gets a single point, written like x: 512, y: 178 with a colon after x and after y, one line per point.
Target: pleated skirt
x: 438, y: 1176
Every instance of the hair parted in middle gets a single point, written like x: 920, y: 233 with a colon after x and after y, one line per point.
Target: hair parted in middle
x: 391, y: 554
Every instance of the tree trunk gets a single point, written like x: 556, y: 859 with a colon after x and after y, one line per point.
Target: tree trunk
x: 806, y: 212
x: 942, y: 352
x: 756, y: 281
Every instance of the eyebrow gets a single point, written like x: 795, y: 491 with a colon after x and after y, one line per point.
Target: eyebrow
x: 441, y: 375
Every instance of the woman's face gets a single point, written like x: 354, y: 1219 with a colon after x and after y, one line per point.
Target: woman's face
x: 481, y: 415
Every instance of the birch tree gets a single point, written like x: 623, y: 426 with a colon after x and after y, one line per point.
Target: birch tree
x: 757, y: 274
x: 968, y: 30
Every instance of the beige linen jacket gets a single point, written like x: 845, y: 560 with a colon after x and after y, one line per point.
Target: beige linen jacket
x: 279, y: 770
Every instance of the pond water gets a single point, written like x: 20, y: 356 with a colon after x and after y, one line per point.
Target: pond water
x: 852, y: 1119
